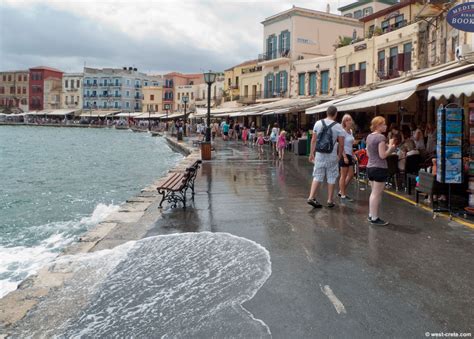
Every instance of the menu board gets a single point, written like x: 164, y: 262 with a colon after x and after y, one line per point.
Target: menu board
x: 449, y: 145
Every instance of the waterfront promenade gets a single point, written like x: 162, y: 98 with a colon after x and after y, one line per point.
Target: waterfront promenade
x: 332, y: 274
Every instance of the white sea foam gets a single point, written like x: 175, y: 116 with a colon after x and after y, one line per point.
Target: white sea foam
x: 183, y: 285
x: 19, y: 262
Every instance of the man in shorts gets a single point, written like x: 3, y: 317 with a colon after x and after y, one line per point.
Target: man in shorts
x: 326, y: 164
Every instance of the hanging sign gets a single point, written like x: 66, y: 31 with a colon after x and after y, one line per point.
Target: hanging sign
x: 462, y: 17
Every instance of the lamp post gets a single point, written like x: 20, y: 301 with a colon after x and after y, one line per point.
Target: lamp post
x: 209, y: 79
x: 149, y: 119
x: 185, y: 100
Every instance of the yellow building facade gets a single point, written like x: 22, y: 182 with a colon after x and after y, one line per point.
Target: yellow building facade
x: 232, y: 79
x: 152, y: 99
x: 251, y: 86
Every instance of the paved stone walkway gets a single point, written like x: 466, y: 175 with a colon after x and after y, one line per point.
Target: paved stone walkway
x: 412, y: 277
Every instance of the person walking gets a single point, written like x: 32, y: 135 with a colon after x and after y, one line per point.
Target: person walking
x: 346, y: 163
x: 325, y: 155
x: 245, y: 133
x: 274, y: 137
x: 377, y: 169
x: 252, y: 131
x: 281, y: 144
x: 260, y: 142
x: 225, y: 130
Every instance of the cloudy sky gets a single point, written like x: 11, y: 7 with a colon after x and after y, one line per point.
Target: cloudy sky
x: 155, y: 36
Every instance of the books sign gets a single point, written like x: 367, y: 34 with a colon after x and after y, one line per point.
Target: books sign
x: 462, y: 17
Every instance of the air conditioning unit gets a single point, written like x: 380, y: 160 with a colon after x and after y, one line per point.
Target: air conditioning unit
x: 462, y: 51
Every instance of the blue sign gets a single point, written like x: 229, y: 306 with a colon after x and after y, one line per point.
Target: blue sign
x: 462, y: 17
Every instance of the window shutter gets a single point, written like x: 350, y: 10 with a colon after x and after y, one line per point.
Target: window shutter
x: 401, y: 62
x: 356, y: 78
x: 345, y: 80
x: 288, y: 40
x: 265, y: 86
x: 362, y: 77
x: 280, y: 42
x: 274, y: 84
x: 269, y: 51
x: 285, y: 81
x: 277, y: 83
x: 274, y: 47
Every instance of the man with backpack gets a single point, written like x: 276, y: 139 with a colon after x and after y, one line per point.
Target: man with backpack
x: 326, y: 154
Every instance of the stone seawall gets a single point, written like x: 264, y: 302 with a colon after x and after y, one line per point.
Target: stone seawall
x: 130, y: 222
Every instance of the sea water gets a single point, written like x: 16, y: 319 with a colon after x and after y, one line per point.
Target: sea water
x: 56, y: 183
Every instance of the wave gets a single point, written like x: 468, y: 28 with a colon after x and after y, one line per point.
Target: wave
x: 19, y: 262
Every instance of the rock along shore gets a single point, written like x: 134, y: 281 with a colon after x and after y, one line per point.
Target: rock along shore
x: 130, y: 222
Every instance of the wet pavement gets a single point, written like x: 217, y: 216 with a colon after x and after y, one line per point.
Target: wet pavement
x: 333, y: 274
x: 249, y: 258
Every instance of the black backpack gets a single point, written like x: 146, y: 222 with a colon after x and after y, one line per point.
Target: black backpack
x: 325, y: 143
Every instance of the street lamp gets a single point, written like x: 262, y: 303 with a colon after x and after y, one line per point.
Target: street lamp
x: 185, y: 100
x: 209, y: 79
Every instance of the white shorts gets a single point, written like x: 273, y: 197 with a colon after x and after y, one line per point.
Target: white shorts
x: 326, y: 169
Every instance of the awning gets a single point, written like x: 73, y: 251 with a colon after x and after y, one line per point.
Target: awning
x: 455, y: 87
x: 56, y: 112
x: 98, y: 114
x: 394, y: 93
x: 151, y: 116
x: 324, y: 106
x: 126, y: 115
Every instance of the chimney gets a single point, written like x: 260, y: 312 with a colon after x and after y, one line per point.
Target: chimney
x: 328, y: 8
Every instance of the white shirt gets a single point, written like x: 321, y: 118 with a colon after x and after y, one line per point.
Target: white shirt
x: 348, y: 142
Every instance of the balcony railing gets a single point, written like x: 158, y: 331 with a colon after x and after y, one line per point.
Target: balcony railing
x: 274, y: 54
x: 246, y: 99
x: 251, y: 69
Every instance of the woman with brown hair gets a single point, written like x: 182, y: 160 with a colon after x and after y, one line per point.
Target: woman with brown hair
x: 377, y: 171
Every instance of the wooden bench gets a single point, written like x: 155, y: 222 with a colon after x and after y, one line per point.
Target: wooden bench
x: 175, y: 186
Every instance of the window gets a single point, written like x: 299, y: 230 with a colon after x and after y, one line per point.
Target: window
x: 362, y: 73
x: 392, y: 61
x: 127, y: 104
x: 271, y: 47
x: 192, y: 96
x: 229, y: 82
x: 371, y: 31
x: 72, y: 83
x: 283, y: 81
x: 237, y: 81
x: 385, y: 26
x: 269, y: 82
x: 128, y: 82
x: 348, y: 15
x: 105, y: 82
x: 12, y: 90
x: 312, y: 83
x: 2, y: 90
x: 78, y: 83
x: 77, y: 100
x: 358, y: 14
x: 19, y: 78
x: 116, y: 82
x: 66, y: 83
x: 179, y: 96
x: 407, y: 56
x: 284, y: 43
x: 18, y: 90
x: 352, y: 80
x: 381, y: 63
x: 301, y: 80
x: 399, y: 22
x: 368, y: 11
x: 25, y: 78
x: 325, y: 82
x: 152, y: 97
x: 342, y: 71
x: 94, y: 82
x: 127, y: 93
x: 9, y: 77
x: 116, y: 104
x: 4, y: 78
x: 66, y: 100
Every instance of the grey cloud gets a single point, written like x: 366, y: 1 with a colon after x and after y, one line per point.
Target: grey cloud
x: 59, y: 39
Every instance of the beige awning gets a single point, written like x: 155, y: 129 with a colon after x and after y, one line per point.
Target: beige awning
x: 394, y: 93
x: 56, y: 112
x: 456, y: 87
x: 98, y: 114
x: 324, y: 106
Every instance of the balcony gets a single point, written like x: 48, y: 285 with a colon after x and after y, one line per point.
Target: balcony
x: 274, y: 58
x: 138, y: 86
x: 251, y: 69
x: 115, y: 85
x: 250, y: 99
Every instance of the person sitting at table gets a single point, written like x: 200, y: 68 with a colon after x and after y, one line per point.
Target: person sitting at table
x: 393, y: 131
x: 406, y: 149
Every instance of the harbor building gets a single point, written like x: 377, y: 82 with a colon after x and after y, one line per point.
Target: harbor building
x: 71, y: 94
x: 113, y: 88
x: 45, y: 88
x: 14, y: 90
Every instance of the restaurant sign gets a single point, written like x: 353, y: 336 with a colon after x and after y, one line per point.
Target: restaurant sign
x: 462, y: 17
